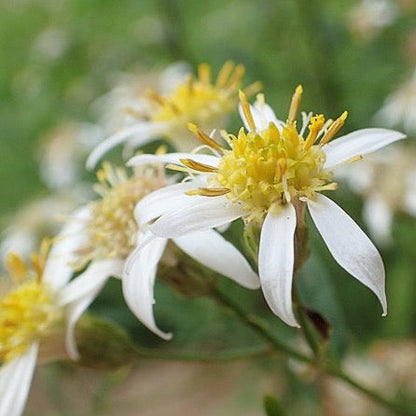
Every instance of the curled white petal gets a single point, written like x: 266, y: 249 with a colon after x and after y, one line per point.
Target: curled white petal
x: 58, y: 269
x: 138, y: 283
x: 173, y: 158
x: 94, y: 276
x: 144, y: 131
x: 200, y: 213
x: 349, y: 246
x: 276, y: 259
x: 215, y: 252
x: 163, y: 200
x: 15, y: 380
x: 360, y: 142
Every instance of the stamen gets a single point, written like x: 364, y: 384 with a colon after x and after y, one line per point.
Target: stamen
x: 328, y: 187
x: 200, y: 167
x: 315, y: 127
x: 335, y: 127
x: 294, y: 105
x: 204, y: 137
x: 209, y: 191
x: 204, y: 73
x: 15, y: 267
x: 236, y: 77
x: 190, y: 84
x: 253, y: 88
x: 176, y: 168
x: 246, y: 110
x: 153, y: 95
x: 224, y: 74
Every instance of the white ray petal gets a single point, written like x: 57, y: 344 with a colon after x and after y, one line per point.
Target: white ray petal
x: 147, y: 132
x: 276, y: 259
x: 357, y: 143
x: 215, y: 252
x: 15, y: 380
x: 349, y: 246
x: 58, y: 269
x: 173, y: 158
x: 379, y: 217
x: 94, y: 276
x: 199, y: 214
x: 163, y: 200
x: 138, y: 283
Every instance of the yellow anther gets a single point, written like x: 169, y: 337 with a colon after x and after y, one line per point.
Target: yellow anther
x: 208, y: 191
x: 16, y: 267
x: 204, y: 137
x: 334, y: 129
x: 295, y: 103
x: 224, y: 74
x: 315, y: 126
x: 190, y: 83
x: 246, y: 110
x: 204, y: 73
x: 253, y: 88
x: 236, y: 77
x: 176, y: 168
x: 200, y: 167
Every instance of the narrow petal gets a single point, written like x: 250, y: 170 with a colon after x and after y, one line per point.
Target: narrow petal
x: 163, y: 200
x: 276, y: 259
x: 378, y: 217
x: 58, y: 269
x: 358, y: 143
x: 349, y: 246
x: 147, y: 131
x: 94, y: 276
x: 201, y: 213
x: 138, y: 283
x: 173, y: 158
x: 15, y: 380
x: 215, y: 252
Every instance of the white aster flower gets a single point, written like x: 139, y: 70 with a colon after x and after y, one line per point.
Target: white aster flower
x: 399, y: 108
x: 387, y: 183
x: 368, y: 17
x: 166, y: 115
x: 267, y: 176
x: 33, y: 315
x: 110, y: 234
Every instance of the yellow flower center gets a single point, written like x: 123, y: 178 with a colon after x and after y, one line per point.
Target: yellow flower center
x: 199, y: 100
x: 27, y: 312
x: 112, y: 227
x: 266, y: 169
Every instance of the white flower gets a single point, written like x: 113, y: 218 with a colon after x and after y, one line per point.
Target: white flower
x: 368, y: 17
x: 270, y: 173
x: 32, y: 312
x: 386, y: 181
x: 399, y: 108
x: 109, y: 236
x: 167, y: 114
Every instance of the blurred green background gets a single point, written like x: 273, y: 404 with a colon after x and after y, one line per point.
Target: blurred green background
x: 58, y: 56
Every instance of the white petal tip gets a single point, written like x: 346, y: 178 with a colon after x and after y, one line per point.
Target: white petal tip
x: 167, y: 336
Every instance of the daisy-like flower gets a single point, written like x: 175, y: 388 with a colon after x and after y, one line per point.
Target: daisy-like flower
x: 110, y: 235
x: 386, y: 181
x: 34, y: 317
x: 399, y: 107
x: 269, y: 175
x: 195, y: 99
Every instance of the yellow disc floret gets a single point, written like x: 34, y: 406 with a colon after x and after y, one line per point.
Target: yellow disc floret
x: 112, y: 228
x: 27, y: 311
x: 268, y: 167
x: 199, y: 100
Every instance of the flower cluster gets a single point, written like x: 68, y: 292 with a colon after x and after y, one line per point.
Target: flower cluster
x: 267, y: 174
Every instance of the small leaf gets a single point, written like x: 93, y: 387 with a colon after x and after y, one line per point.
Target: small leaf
x: 272, y: 407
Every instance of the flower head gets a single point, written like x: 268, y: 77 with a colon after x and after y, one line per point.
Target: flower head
x: 197, y: 100
x: 110, y: 243
x: 32, y: 314
x: 268, y: 174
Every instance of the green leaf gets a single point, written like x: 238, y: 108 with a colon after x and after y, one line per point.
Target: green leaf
x: 272, y: 407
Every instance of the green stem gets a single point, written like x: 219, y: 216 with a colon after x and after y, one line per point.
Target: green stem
x: 263, y: 329
x: 238, y: 354
x: 398, y: 408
